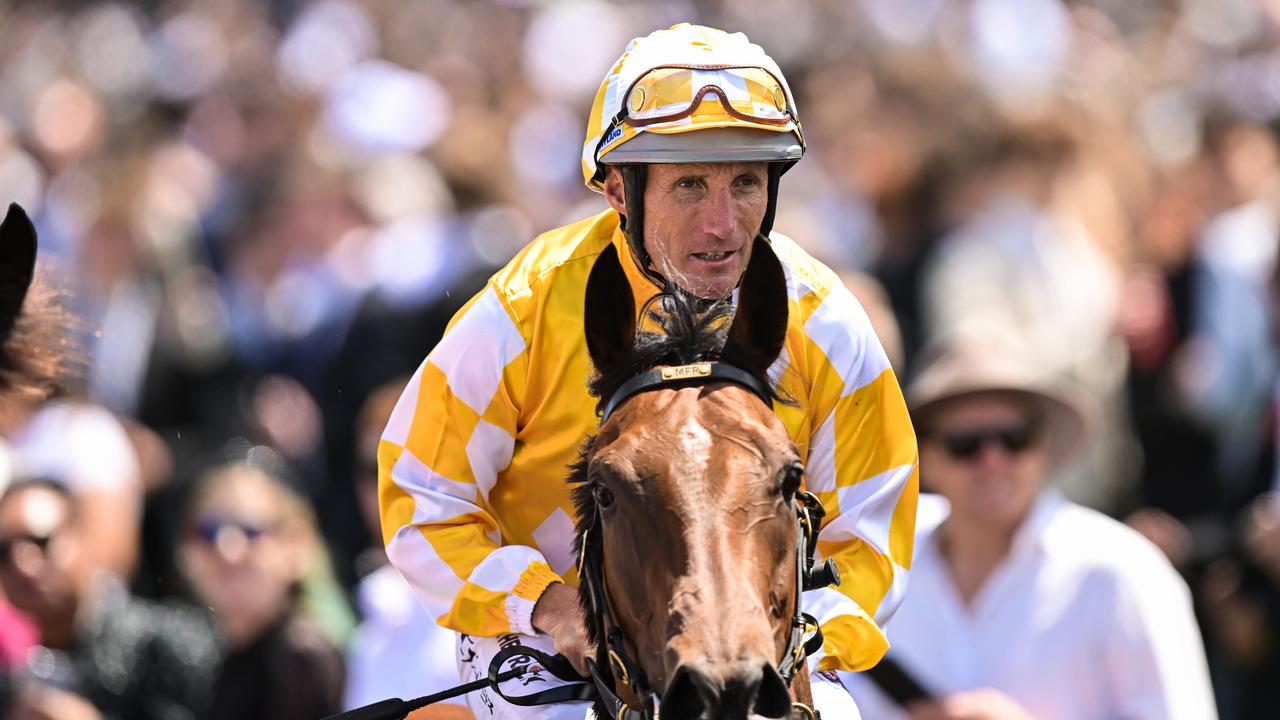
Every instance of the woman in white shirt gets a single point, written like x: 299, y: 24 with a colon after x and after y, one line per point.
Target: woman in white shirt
x: 1022, y: 604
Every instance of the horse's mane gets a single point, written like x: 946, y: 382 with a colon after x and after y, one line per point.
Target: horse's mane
x: 38, y: 351
x: 690, y: 330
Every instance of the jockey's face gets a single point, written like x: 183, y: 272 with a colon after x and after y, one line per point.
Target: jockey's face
x: 700, y: 221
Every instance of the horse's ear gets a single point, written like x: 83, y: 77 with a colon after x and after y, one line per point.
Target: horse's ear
x: 759, y: 326
x: 17, y: 263
x: 610, y: 314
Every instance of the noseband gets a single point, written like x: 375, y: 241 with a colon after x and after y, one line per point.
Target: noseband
x: 809, y: 575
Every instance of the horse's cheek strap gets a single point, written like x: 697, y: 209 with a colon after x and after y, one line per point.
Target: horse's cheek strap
x: 611, y: 647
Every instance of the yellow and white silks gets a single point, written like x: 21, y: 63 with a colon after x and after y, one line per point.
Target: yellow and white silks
x: 476, y: 512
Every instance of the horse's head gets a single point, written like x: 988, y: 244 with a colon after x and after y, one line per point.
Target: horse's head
x: 688, y: 492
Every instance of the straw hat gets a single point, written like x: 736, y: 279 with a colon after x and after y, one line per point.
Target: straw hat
x: 968, y: 368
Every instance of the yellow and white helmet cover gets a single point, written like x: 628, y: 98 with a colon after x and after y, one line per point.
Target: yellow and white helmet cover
x: 691, y: 78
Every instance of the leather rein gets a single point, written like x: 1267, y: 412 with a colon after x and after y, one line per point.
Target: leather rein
x: 617, y: 663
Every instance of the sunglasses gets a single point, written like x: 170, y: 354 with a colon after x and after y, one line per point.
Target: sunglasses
x: 9, y: 544
x: 968, y: 444
x: 210, y: 529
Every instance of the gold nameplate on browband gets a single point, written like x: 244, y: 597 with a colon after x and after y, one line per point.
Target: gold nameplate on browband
x: 684, y: 372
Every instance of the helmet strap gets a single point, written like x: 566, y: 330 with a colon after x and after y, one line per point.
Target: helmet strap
x: 634, y: 179
x: 775, y: 175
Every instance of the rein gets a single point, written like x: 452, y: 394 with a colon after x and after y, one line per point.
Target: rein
x: 809, y: 575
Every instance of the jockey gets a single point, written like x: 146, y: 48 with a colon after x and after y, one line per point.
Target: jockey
x: 687, y: 140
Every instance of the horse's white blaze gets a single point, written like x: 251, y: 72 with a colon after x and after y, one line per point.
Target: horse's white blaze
x: 695, y: 442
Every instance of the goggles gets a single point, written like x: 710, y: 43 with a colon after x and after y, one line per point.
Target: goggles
x: 669, y: 93
x: 675, y: 94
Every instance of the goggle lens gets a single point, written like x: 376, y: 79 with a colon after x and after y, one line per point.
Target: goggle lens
x: 667, y: 94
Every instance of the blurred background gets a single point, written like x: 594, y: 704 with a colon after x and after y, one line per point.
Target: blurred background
x: 264, y: 212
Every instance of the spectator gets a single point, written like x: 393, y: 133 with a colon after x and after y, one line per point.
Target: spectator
x: 1023, y: 604
x: 39, y: 359
x: 104, y: 653
x: 17, y: 632
x: 1022, y: 261
x: 103, y: 473
x: 249, y: 542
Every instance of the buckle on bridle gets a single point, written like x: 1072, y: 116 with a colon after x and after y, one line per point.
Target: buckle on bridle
x: 615, y: 662
x: 804, y: 710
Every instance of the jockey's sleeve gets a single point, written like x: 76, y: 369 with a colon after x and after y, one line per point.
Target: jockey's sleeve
x: 451, y: 434
x: 863, y: 464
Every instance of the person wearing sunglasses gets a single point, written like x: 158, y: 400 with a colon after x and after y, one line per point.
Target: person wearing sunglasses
x: 249, y: 541
x: 104, y: 654
x: 688, y: 139
x: 1023, y: 604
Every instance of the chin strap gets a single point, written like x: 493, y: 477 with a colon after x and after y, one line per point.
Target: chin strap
x: 634, y: 180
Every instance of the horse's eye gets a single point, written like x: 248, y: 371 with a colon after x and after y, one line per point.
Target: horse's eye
x: 791, y: 481
x: 604, y: 496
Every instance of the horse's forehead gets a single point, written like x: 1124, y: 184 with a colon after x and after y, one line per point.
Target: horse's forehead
x: 668, y: 428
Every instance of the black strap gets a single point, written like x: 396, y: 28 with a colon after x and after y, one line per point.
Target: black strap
x: 614, y: 704
x: 775, y: 176
x: 634, y: 181
x: 611, y: 647
x: 397, y: 709
x: 684, y: 375
x: 814, y: 643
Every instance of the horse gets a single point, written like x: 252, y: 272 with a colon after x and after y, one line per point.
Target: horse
x: 687, y: 500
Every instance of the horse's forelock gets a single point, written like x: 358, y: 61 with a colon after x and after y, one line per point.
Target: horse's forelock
x: 689, y: 330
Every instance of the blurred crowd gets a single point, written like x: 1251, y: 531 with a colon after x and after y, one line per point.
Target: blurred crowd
x: 263, y: 213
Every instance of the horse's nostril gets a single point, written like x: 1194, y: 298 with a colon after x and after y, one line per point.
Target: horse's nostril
x: 773, y: 697
x: 690, y: 696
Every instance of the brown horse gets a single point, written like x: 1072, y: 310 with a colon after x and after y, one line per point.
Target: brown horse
x: 686, y: 499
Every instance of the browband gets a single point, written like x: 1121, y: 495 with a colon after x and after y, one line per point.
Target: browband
x: 686, y: 375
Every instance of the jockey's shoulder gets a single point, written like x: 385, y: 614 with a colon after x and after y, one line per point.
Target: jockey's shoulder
x: 809, y: 280
x: 553, y: 250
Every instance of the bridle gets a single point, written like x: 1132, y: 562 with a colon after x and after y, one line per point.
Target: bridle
x: 615, y: 664
x: 613, y: 657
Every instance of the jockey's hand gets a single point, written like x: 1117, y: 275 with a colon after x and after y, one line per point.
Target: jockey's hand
x: 558, y: 615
